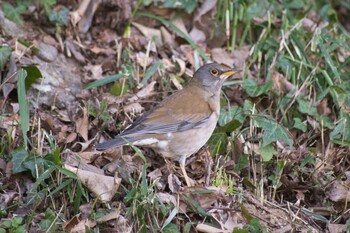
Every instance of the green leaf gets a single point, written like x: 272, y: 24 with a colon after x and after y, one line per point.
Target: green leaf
x: 59, y: 17
x: 298, y: 124
x: 28, y: 45
x: 267, y: 152
x: 227, y: 116
x: 5, y: 53
x: 38, y: 165
x: 255, y: 90
x: 6, y: 223
x: 19, y: 156
x: 33, y: 74
x: 46, y: 4
x: 149, y: 72
x: 272, y: 130
x: 307, y: 159
x: 230, y: 127
x: 104, y: 81
x: 217, y: 143
x: 187, y: 5
x: 305, y: 107
x: 243, y: 162
x: 171, y: 228
x: 12, y: 13
x: 23, y: 104
x: 341, y: 132
x: 119, y: 89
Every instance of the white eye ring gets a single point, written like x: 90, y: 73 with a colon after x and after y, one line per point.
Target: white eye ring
x: 214, y: 72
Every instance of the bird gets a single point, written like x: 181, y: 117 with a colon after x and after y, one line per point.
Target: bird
x: 183, y: 122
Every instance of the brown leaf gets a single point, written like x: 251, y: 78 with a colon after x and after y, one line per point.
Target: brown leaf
x: 95, y: 70
x: 133, y: 108
x: 340, y: 191
x: 150, y: 33
x: 336, y: 228
x: 82, y: 225
x: 143, y: 60
x: 202, y: 25
x: 112, y: 215
x: 322, y: 108
x: 103, y: 186
x: 145, y: 92
x: 70, y: 138
x: 201, y: 227
x: 168, y: 38
x: 82, y: 125
x: 220, y: 56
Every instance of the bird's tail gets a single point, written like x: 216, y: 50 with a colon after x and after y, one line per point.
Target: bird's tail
x: 118, y: 141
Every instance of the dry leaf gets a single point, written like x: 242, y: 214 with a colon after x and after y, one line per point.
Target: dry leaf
x: 202, y: 26
x: 179, y: 23
x: 167, y: 198
x: 220, y: 56
x: 167, y: 38
x: 82, y: 225
x: 103, y: 186
x: 112, y: 215
x: 143, y: 60
x: 145, y: 92
x: 340, y: 191
x: 82, y: 125
x: 68, y: 139
x: 155, y: 174
x: 336, y: 228
x: 133, y: 108
x: 68, y: 225
x: 201, y: 227
x: 150, y: 33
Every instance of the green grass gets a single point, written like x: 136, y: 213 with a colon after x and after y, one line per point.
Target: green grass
x: 284, y: 133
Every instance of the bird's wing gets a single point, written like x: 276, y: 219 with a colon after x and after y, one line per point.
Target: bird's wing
x: 181, y: 112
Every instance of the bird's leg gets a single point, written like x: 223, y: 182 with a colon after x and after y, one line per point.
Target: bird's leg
x: 182, y: 163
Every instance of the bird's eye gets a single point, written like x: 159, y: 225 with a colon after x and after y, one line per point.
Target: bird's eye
x: 214, y: 72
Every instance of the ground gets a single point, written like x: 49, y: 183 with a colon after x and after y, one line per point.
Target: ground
x: 76, y: 73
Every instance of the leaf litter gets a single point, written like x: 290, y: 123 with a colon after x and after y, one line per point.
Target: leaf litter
x: 65, y: 113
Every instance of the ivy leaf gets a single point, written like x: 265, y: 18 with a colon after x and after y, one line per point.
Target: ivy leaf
x: 217, y: 143
x: 255, y: 90
x: 19, y: 157
x: 267, y: 152
x: 5, y: 53
x: 227, y: 116
x: 305, y: 107
x: 272, y: 130
x: 12, y: 13
x: 298, y: 124
x: 341, y: 132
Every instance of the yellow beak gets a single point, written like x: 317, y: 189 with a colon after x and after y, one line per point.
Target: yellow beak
x: 230, y: 72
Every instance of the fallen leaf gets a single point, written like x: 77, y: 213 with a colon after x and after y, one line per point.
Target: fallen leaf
x: 133, y: 108
x: 340, y: 191
x: 201, y: 227
x: 82, y: 225
x: 103, y: 186
x: 145, y: 92
x: 143, y: 60
x: 150, y: 33
x: 82, y: 125
x: 112, y: 215
x: 336, y: 228
x: 220, y: 56
x: 202, y: 25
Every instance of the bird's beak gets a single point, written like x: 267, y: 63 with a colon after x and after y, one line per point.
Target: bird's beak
x: 230, y: 72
